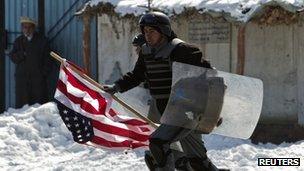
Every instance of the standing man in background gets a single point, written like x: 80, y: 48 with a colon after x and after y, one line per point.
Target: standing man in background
x: 30, y: 54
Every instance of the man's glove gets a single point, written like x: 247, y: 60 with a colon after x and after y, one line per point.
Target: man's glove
x: 111, y: 89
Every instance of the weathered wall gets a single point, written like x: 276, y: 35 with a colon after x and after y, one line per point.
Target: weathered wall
x: 221, y: 53
x: 115, y: 36
x: 299, y: 53
x: 273, y: 54
x: 116, y: 56
x: 115, y: 53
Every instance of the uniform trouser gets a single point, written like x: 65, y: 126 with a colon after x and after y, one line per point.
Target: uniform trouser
x: 192, y: 147
x: 30, y: 90
x: 195, y: 157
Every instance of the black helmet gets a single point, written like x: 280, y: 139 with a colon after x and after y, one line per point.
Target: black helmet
x: 139, y: 40
x: 158, y: 20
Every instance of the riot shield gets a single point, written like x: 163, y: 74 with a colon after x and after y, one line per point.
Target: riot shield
x: 211, y: 101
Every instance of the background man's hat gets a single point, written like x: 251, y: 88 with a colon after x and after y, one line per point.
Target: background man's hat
x: 27, y: 20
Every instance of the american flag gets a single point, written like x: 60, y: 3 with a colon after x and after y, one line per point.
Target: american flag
x: 87, y: 113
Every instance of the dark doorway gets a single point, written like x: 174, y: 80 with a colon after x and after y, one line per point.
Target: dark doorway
x: 2, y: 56
x: 14, y: 9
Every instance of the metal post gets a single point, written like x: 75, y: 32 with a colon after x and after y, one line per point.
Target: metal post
x: 2, y: 56
x: 86, y: 44
x: 241, y: 50
x: 149, y: 5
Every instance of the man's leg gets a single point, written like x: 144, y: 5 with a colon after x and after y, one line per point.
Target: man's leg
x: 159, y: 146
x: 153, y: 114
x: 176, y: 148
x: 195, y: 151
x: 176, y: 151
x: 21, y: 90
x: 38, y: 91
x: 153, y: 166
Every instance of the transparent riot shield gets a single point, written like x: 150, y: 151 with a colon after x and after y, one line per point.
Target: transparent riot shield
x: 211, y: 101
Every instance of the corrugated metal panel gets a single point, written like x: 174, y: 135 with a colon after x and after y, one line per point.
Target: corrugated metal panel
x: 62, y: 28
x: 13, y: 10
x: 68, y: 42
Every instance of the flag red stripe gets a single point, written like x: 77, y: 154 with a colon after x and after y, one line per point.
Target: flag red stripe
x: 112, y: 112
x: 126, y: 143
x: 119, y: 131
x: 81, y: 86
x: 145, y: 129
x: 134, y: 122
x: 77, y: 100
x: 74, y: 65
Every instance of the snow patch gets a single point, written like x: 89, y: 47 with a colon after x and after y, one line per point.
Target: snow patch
x: 35, y: 138
x: 235, y: 8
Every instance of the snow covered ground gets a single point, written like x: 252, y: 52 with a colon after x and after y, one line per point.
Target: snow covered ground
x: 35, y: 138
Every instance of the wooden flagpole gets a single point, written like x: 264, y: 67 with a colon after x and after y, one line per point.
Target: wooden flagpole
x: 61, y: 60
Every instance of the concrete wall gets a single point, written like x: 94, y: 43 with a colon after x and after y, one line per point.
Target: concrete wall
x: 116, y: 57
x: 115, y: 52
x: 222, y: 55
x: 299, y: 53
x: 114, y: 45
x: 273, y: 54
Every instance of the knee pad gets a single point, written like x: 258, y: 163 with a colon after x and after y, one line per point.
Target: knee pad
x: 150, y: 162
x: 159, y: 150
x: 182, y: 163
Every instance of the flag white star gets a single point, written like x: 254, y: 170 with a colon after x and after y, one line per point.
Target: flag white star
x: 85, y: 128
x: 68, y: 125
x: 88, y: 134
x: 75, y: 118
x: 77, y: 125
x: 67, y: 118
x: 65, y: 112
x: 78, y: 131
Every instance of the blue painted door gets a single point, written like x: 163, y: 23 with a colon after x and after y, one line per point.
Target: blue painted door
x: 64, y: 31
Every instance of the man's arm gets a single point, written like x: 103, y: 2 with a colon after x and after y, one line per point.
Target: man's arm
x: 17, y: 54
x: 189, y: 54
x: 133, y: 78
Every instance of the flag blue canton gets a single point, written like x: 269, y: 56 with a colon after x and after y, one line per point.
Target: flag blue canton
x: 80, y: 126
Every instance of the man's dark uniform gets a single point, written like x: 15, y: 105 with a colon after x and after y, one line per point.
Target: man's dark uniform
x: 158, y: 73
x: 32, y: 67
x: 154, y: 66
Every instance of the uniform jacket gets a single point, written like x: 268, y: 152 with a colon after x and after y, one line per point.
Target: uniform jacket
x: 183, y: 52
